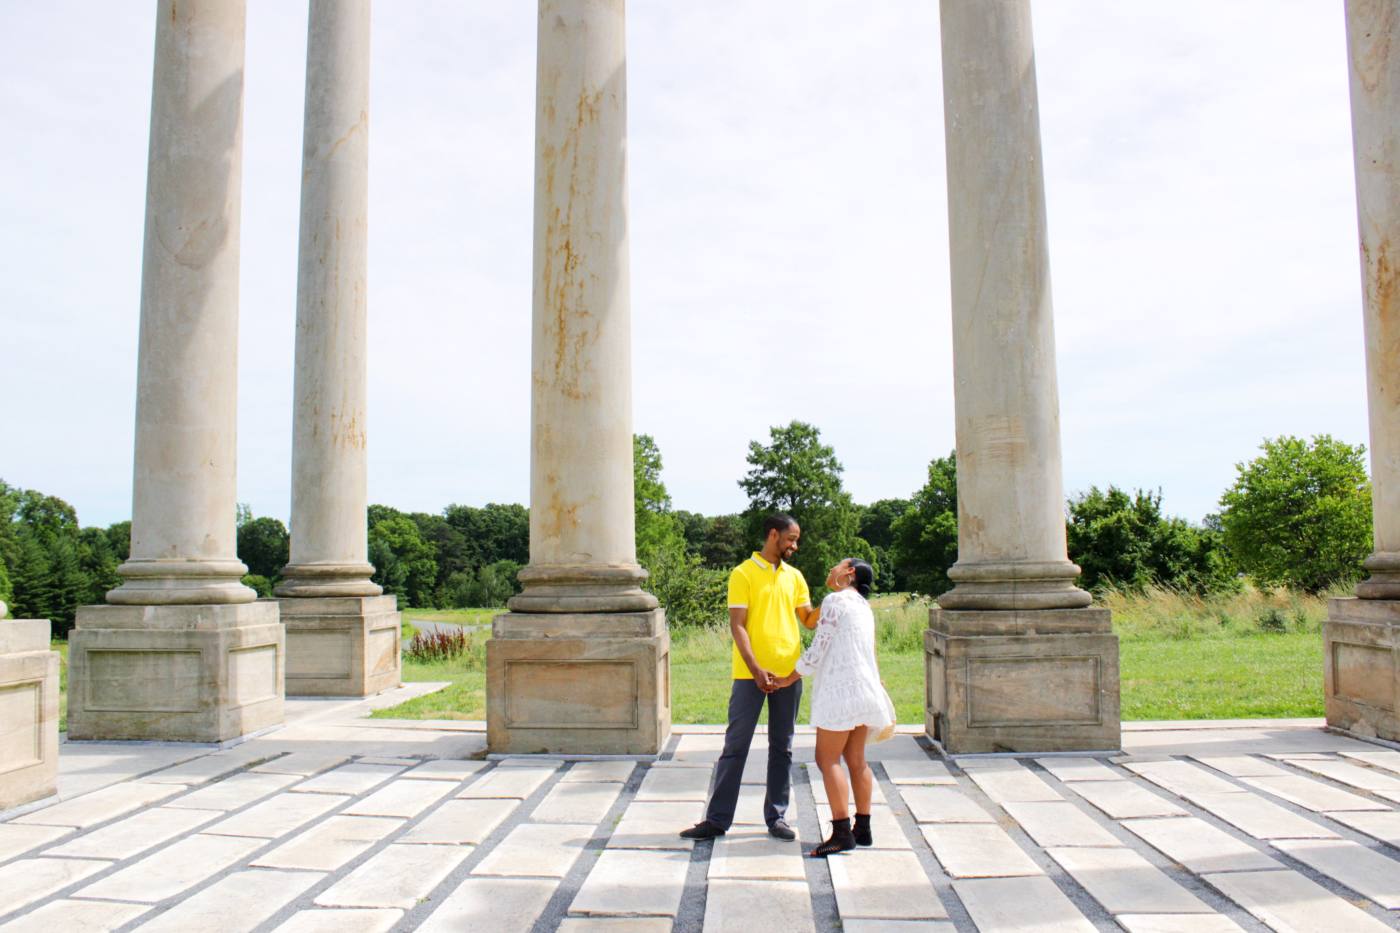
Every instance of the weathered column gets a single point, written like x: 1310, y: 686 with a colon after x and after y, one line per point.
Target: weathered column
x: 342, y: 634
x: 183, y: 652
x: 580, y: 663
x: 1362, y: 635
x: 1015, y: 659
x: 28, y: 712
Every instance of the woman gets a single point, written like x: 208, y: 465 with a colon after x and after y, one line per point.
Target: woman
x: 848, y: 700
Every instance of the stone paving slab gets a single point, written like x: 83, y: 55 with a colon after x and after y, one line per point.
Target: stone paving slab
x: 596, y: 772
x: 32, y: 879
x: 656, y: 825
x: 1058, y: 823
x: 1287, y: 901
x: 943, y: 805
x: 1199, y: 846
x: 1261, y: 818
x: 1313, y: 795
x: 1242, y: 765
x: 1365, y: 871
x: 172, y: 870
x: 134, y: 834
x: 404, y: 799
x: 753, y: 855
x: 448, y: 770
x: 210, y: 767
x: 101, y: 805
x: 977, y: 850
x: 342, y: 920
x: 17, y: 839
x: 1178, y: 923
x: 519, y: 782
x: 902, y: 771
x: 352, y: 779
x: 462, y: 822
x: 627, y: 881
x: 329, y: 845
x: 896, y: 926
x: 883, y: 886
x: 1382, y: 826
x: 615, y: 925
x: 236, y: 904
x: 234, y: 792
x: 576, y: 803
x: 1013, y: 785
x: 501, y: 905
x: 537, y: 850
x: 1079, y: 769
x: 305, y: 764
x: 1345, y: 772
x: 1032, y: 903
x: 396, y: 876
x: 1388, y: 760
x: 1126, y: 883
x: 277, y: 816
x: 1182, y: 778
x: 1124, y: 800
x: 734, y: 906
x: 675, y: 784
x: 73, y: 916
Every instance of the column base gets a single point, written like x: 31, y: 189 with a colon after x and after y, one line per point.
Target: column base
x: 1361, y: 666
x: 328, y: 579
x: 1021, y: 681
x: 579, y: 683
x: 582, y: 588
x: 175, y: 673
x: 28, y: 713
x: 1014, y: 585
x: 342, y: 646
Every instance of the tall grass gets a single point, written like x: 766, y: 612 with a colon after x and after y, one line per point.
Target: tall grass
x: 1161, y: 612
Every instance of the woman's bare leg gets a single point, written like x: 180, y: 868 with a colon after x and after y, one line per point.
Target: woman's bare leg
x: 829, y: 749
x: 862, y: 778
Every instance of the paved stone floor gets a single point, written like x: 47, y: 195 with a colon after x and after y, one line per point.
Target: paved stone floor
x: 340, y: 823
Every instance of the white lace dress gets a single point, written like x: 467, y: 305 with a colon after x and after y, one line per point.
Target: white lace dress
x: 847, y: 692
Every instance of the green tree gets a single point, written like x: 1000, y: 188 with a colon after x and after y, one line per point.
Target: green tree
x: 99, y: 562
x: 404, y: 564
x: 1125, y: 540
x: 925, y: 538
x: 265, y: 546
x: 658, y: 529
x: 796, y: 473
x: 1299, y: 514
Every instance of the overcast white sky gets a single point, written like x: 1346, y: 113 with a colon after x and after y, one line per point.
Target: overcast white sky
x: 787, y: 181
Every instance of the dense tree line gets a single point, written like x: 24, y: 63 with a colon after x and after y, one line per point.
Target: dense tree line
x: 1298, y: 515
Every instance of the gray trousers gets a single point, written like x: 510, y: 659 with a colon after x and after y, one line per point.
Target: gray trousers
x: 745, y: 704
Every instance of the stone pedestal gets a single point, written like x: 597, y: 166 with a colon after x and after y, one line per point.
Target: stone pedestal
x: 1361, y: 666
x: 342, y: 646
x: 175, y: 673
x: 1022, y: 681
x: 595, y: 684
x: 28, y: 712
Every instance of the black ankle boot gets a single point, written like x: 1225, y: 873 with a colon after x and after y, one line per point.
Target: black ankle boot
x: 841, y: 840
x: 861, y: 831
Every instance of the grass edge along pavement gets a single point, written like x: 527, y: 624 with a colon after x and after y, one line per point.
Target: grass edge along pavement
x: 1251, y: 655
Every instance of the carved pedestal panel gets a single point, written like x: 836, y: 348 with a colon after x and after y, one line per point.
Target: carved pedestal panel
x: 28, y: 712
x: 205, y: 673
x: 1361, y: 663
x: 1021, y: 681
x: 595, y: 684
x: 342, y: 645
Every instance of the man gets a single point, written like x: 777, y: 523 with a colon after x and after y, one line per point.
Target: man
x: 767, y: 598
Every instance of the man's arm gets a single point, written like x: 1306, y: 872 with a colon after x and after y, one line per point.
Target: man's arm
x: 739, y: 628
x: 808, y: 615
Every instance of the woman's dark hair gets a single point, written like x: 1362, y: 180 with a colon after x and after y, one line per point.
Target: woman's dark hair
x: 864, y: 577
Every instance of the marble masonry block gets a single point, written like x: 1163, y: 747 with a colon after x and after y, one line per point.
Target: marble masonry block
x: 28, y: 712
x: 1021, y: 680
x: 341, y: 646
x: 1361, y: 666
x: 579, y: 683
x: 181, y: 673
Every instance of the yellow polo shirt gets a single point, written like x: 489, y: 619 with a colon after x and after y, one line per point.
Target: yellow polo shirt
x: 771, y: 595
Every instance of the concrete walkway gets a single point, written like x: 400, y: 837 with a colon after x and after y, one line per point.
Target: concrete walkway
x: 337, y: 822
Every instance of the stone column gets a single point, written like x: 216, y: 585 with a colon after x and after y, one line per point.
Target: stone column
x: 1362, y: 634
x: 1016, y: 660
x: 580, y: 664
x: 342, y: 634
x: 182, y: 651
x: 28, y: 712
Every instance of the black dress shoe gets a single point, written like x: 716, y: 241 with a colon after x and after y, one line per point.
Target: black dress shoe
x: 779, y: 829
x: 702, y: 830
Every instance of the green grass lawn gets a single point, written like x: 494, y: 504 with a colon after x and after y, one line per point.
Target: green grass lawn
x: 62, y: 648
x: 1208, y: 661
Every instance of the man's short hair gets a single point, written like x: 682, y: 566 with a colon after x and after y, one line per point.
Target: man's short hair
x: 779, y: 522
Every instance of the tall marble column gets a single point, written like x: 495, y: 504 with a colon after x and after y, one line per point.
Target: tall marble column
x: 1362, y: 634
x: 182, y: 651
x: 342, y: 634
x: 580, y: 663
x: 1016, y: 660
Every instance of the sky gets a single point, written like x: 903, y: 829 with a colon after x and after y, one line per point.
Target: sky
x: 789, y: 244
